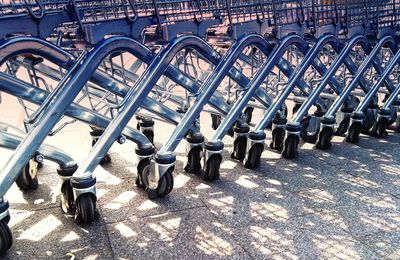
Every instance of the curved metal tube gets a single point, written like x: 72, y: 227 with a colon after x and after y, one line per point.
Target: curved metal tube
x: 71, y: 89
x: 388, y: 69
x: 32, y: 45
x: 36, y: 95
x: 299, y: 71
x: 215, y: 79
x: 353, y: 84
x: 362, y: 40
x: 52, y: 153
x: 257, y: 80
x: 135, y: 96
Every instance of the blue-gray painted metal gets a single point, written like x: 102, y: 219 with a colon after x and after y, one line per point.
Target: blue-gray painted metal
x: 355, y: 81
x: 356, y: 40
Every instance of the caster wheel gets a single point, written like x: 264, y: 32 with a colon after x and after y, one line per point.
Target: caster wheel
x: 85, y: 209
x: 353, y: 135
x: 149, y: 134
x: 248, y: 114
x: 165, y: 186
x: 397, y: 129
x: 106, y: 159
x: 239, y: 148
x: 368, y: 122
x: 290, y: 147
x: 304, y: 134
x: 67, y: 198
x: 284, y: 111
x: 39, y: 165
x: 278, y: 134
x: 6, y: 238
x: 324, y: 139
x: 254, y: 157
x: 379, y: 128
x: 296, y: 108
x: 215, y: 121
x: 194, y: 160
x: 142, y: 170
x: 343, y: 126
x: 393, y: 116
x: 211, y: 171
x: 28, y: 180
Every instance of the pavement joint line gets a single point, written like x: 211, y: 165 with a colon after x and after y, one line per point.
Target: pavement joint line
x: 151, y: 215
x: 363, y: 242
x: 331, y: 165
x: 344, y: 230
x: 395, y: 195
x: 354, y: 175
x: 345, y: 171
x: 22, y: 211
x: 108, y: 239
x: 223, y: 224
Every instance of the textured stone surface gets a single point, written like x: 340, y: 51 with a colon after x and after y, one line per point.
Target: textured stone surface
x: 343, y: 203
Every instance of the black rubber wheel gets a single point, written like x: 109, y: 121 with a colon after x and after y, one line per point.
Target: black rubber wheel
x: 215, y: 121
x: 149, y: 133
x: 6, y: 239
x: 106, y: 159
x: 239, y: 148
x: 248, y: 112
x: 368, y: 122
x: 211, y: 171
x: 39, y: 165
x: 304, y: 134
x: 143, y: 168
x: 193, y: 164
x: 296, y: 108
x: 324, y: 138
x: 353, y: 135
x: 343, y: 126
x: 254, y: 157
x: 28, y: 179
x: 278, y: 135
x: 393, y: 116
x: 379, y: 128
x: 397, y: 129
x: 67, y: 197
x: 284, y: 110
x: 165, y: 185
x: 85, y: 209
x: 290, y: 147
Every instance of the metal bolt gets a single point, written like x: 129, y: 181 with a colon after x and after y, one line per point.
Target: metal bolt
x: 121, y: 139
x: 39, y: 158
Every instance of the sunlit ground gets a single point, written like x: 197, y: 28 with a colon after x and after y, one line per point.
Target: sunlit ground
x: 343, y: 203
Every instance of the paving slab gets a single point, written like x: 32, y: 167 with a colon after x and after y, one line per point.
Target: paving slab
x: 125, y: 200
x: 304, y: 237
x: 187, y: 234
x: 343, y: 203
x: 49, y: 234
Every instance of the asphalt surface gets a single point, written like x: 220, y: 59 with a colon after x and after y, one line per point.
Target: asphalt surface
x: 342, y: 203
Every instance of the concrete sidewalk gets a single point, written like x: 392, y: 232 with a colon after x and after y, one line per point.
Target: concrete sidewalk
x: 343, y: 203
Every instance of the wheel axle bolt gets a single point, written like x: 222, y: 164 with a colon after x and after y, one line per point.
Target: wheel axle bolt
x: 39, y: 158
x: 121, y: 139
